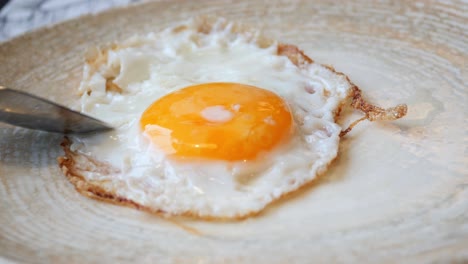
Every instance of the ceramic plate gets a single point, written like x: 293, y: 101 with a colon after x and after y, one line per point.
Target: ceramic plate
x: 397, y: 193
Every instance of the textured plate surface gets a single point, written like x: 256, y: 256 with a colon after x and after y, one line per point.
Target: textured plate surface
x: 397, y: 192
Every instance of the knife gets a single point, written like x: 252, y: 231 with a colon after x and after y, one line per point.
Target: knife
x: 23, y: 109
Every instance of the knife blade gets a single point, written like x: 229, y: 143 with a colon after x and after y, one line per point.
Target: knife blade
x: 26, y: 110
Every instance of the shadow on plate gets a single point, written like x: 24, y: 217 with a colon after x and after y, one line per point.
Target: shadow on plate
x: 24, y: 147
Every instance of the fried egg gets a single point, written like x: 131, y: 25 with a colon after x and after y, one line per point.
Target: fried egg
x: 209, y: 122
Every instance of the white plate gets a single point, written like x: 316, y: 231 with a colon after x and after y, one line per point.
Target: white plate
x: 397, y: 193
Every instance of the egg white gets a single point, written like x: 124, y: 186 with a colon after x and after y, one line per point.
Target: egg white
x: 146, y: 68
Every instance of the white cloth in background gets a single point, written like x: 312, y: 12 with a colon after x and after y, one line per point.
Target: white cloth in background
x: 19, y: 16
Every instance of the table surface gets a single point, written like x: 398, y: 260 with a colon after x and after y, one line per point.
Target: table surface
x: 19, y: 16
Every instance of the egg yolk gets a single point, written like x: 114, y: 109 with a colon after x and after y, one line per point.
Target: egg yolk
x: 226, y: 121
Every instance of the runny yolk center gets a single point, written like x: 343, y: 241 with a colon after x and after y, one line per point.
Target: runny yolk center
x: 226, y: 121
